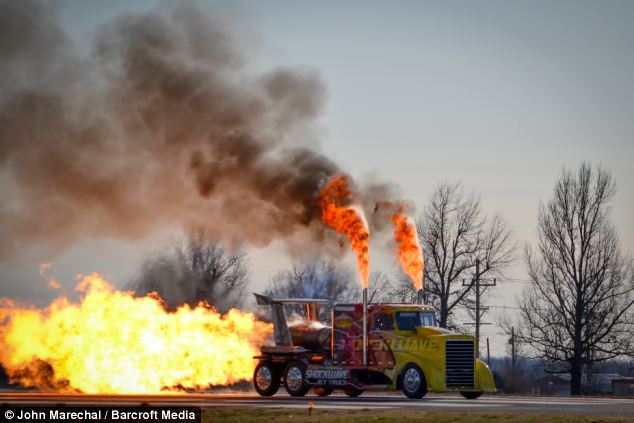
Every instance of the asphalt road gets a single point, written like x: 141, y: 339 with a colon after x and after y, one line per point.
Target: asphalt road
x: 432, y: 402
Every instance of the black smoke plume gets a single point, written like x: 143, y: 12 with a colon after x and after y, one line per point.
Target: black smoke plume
x: 158, y: 124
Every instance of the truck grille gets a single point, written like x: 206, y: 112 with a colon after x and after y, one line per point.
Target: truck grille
x: 459, y: 363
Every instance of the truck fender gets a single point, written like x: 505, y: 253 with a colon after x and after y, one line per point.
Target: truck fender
x: 483, y: 377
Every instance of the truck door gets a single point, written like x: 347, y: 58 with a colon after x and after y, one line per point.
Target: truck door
x: 381, y: 331
x: 347, y: 325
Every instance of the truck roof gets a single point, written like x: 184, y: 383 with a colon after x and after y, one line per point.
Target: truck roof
x: 396, y: 306
x: 266, y: 300
x: 262, y: 299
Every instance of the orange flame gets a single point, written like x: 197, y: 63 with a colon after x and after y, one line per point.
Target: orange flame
x: 44, y: 267
x: 410, y: 254
x: 51, y: 282
x: 347, y: 220
x: 113, y: 342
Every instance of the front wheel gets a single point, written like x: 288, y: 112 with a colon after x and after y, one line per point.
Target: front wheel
x: 353, y: 392
x: 413, y: 383
x: 470, y: 394
x: 266, y: 379
x: 295, y: 379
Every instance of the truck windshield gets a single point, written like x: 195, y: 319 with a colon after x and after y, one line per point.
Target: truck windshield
x: 428, y: 318
x: 408, y: 320
x: 383, y: 321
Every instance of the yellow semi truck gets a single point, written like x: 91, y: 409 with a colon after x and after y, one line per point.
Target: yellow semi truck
x: 390, y: 346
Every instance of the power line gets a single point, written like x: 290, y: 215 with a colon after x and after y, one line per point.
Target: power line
x: 515, y: 280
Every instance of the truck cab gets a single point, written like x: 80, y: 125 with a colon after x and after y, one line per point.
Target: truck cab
x: 405, y: 350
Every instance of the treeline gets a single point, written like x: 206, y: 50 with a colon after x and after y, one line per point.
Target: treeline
x: 534, y: 376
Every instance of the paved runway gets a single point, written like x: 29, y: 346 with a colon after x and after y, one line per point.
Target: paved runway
x: 432, y: 402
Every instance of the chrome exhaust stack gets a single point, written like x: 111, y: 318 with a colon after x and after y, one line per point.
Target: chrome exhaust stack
x: 365, y: 326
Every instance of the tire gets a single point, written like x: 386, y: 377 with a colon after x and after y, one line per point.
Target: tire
x: 266, y: 378
x: 323, y: 391
x: 413, y: 383
x: 353, y: 392
x: 470, y: 394
x: 295, y: 379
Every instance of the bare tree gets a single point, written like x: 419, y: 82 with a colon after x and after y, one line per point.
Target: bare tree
x: 380, y: 288
x: 194, y: 270
x: 325, y: 279
x: 454, y: 233
x: 578, y: 309
x: 401, y: 290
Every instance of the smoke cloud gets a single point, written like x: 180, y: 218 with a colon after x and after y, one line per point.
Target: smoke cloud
x: 159, y: 124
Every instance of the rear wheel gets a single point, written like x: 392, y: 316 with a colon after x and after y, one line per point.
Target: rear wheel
x: 323, y: 391
x: 413, y: 383
x: 295, y: 379
x: 266, y: 379
x: 470, y: 394
x: 353, y: 392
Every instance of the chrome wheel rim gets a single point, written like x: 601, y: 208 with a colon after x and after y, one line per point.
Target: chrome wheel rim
x: 264, y: 378
x: 411, y: 380
x: 294, y: 378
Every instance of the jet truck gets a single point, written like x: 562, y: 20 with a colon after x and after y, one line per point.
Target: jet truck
x: 367, y: 346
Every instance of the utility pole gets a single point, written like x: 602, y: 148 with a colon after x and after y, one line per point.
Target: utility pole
x: 513, y: 358
x: 488, y: 353
x: 478, y: 293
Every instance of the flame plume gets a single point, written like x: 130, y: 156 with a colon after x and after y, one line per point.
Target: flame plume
x: 347, y: 220
x: 410, y: 254
x: 113, y: 342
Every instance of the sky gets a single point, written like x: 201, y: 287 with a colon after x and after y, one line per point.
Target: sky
x: 499, y: 95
